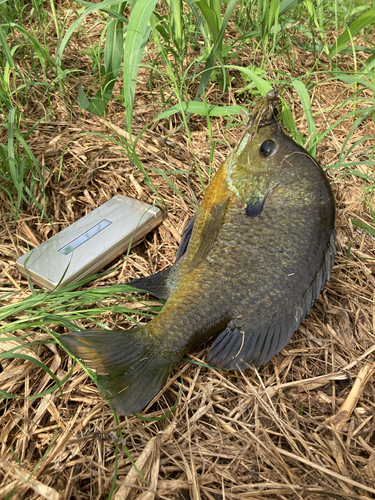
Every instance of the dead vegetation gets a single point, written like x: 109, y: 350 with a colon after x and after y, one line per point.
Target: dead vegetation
x: 301, y: 427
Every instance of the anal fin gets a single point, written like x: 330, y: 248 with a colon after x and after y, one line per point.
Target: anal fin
x: 237, y: 348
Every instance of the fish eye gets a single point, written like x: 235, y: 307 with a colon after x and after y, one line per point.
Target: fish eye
x: 268, y: 148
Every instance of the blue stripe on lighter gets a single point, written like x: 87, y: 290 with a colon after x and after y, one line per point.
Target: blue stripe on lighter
x: 85, y: 237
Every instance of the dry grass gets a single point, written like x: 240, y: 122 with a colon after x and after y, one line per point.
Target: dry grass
x: 302, y: 427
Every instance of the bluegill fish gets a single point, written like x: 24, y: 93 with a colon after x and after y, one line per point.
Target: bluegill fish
x: 250, y: 266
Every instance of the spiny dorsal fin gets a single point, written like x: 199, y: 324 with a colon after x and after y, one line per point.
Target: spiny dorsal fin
x: 186, y: 234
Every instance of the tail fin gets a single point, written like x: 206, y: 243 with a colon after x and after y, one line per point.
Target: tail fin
x: 130, y: 368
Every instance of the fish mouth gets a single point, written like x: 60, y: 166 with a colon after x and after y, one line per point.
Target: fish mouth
x: 266, y: 112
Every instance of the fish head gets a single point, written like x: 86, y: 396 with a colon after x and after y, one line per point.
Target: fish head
x: 259, y: 162
x: 253, y: 166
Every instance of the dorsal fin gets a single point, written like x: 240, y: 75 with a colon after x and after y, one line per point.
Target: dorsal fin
x: 186, y: 234
x: 156, y: 284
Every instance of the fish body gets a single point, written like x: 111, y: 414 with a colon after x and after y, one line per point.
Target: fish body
x: 253, y: 262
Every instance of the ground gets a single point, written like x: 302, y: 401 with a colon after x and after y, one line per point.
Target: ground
x: 300, y: 427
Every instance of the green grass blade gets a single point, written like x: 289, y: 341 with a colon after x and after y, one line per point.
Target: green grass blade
x: 306, y: 105
x: 351, y: 79
x: 343, y: 40
x: 273, y: 20
x: 209, y: 17
x: 364, y: 226
x: 11, y: 355
x: 113, y: 52
x: 262, y: 85
x: 369, y: 64
x: 40, y: 50
x: 290, y: 124
x: 216, y: 7
x: 136, y: 39
x: 200, y: 108
x: 176, y: 8
x: 199, y: 22
x: 14, y: 168
x: 11, y: 157
x: 109, y: 11
x: 6, y: 50
x: 76, y: 24
x: 216, y: 51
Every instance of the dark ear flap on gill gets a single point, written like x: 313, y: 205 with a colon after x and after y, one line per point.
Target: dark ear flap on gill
x: 254, y: 206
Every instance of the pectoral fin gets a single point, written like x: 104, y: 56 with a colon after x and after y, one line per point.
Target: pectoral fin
x: 209, y: 233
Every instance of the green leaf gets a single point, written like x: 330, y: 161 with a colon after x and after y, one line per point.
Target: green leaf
x: 368, y: 64
x: 216, y: 51
x: 58, y: 385
x: 343, y: 77
x: 136, y: 39
x: 40, y: 51
x: 342, y: 41
x: 286, y: 5
x: 262, y: 85
x: 6, y: 49
x: 83, y: 102
x: 114, y: 45
x: 364, y: 226
x: 290, y: 124
x: 306, y: 105
x: 210, y: 18
x: 310, y: 8
x: 76, y: 24
x: 200, y: 108
x: 176, y: 9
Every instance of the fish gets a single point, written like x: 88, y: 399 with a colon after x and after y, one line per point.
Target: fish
x: 250, y: 265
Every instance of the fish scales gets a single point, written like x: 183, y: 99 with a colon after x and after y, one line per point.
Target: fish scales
x: 250, y: 266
